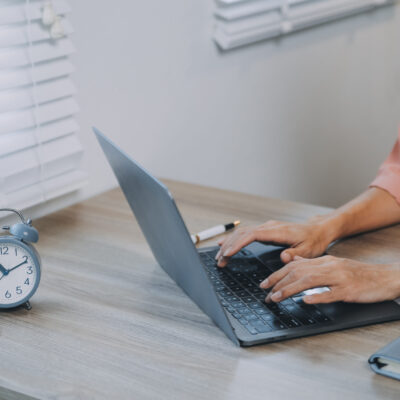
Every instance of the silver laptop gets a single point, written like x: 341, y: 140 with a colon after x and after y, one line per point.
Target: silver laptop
x: 230, y: 296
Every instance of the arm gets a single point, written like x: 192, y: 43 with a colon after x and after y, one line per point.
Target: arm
x: 375, y: 208
x: 348, y: 280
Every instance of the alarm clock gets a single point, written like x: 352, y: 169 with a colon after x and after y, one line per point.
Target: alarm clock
x: 19, y: 263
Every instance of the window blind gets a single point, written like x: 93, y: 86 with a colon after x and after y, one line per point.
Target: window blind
x: 40, y: 151
x: 241, y: 22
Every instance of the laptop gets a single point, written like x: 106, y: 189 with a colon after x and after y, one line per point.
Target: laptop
x: 230, y: 296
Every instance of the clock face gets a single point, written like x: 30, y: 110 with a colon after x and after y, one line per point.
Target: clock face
x: 19, y: 274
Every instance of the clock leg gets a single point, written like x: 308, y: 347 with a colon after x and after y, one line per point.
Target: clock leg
x: 28, y: 306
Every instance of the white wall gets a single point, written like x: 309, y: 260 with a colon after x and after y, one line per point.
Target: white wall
x: 308, y: 117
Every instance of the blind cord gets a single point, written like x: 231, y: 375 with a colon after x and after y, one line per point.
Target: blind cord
x: 38, y: 142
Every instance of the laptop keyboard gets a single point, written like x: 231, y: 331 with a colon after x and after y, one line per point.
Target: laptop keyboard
x: 237, y: 286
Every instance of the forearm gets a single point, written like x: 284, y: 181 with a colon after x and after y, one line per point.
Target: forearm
x: 373, y: 209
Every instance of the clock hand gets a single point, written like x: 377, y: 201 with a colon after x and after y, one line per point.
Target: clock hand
x: 4, y: 271
x: 24, y: 262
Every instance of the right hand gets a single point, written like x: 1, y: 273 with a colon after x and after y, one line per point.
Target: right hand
x: 308, y: 240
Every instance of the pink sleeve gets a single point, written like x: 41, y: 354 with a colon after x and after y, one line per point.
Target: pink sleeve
x: 388, y: 177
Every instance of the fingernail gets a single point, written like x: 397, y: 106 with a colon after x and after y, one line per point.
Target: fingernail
x: 268, y: 298
x: 286, y: 257
x: 227, y: 251
x: 264, y: 283
x: 217, y: 256
x: 307, y: 299
x: 276, y: 296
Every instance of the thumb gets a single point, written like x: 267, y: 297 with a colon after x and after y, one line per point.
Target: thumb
x: 302, y: 250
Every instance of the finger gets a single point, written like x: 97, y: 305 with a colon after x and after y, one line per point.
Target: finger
x: 302, y: 250
x: 235, y: 245
x: 226, y: 243
x: 294, y: 288
x: 235, y: 242
x: 241, y: 238
x: 275, y: 277
x: 297, y: 265
x: 276, y: 234
x: 221, y: 241
x: 222, y: 261
x: 220, y: 244
x: 319, y: 298
x: 301, y: 262
x: 299, y: 280
x: 294, y: 276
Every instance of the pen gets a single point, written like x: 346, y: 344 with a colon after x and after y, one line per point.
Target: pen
x: 214, y: 231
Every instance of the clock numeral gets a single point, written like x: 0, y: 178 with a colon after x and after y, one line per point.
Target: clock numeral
x: 7, y: 295
x: 29, y: 271
x: 25, y: 258
x: 26, y: 281
x: 4, y: 250
x: 18, y: 290
x: 16, y: 250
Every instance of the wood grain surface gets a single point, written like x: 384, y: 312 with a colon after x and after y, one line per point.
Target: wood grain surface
x: 108, y: 323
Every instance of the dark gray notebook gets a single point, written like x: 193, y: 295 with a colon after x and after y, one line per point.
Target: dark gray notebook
x: 386, y: 361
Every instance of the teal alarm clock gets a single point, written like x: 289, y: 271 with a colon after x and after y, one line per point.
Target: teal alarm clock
x: 20, y: 264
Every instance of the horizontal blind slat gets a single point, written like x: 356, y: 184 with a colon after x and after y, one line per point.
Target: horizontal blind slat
x: 42, y: 51
x: 231, y: 41
x: 233, y: 3
x: 23, y: 168
x: 15, y: 11
x: 19, y: 35
x: 268, y: 20
x: 272, y: 18
x: 25, y: 97
x: 247, y: 9
x: 24, y: 76
x: 330, y: 7
x: 54, y: 187
x: 16, y: 141
x: 58, y: 128
x: 24, y: 119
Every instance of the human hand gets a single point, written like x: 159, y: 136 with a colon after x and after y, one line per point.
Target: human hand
x: 309, y: 239
x: 348, y: 280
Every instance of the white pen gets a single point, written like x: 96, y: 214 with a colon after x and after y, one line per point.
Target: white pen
x: 214, y: 231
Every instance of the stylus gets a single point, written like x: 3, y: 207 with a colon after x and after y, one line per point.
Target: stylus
x: 214, y: 231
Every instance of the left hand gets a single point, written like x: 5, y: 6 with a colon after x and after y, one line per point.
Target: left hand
x: 348, y: 280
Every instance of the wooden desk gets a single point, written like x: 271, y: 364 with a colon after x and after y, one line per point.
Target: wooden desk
x: 107, y: 322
